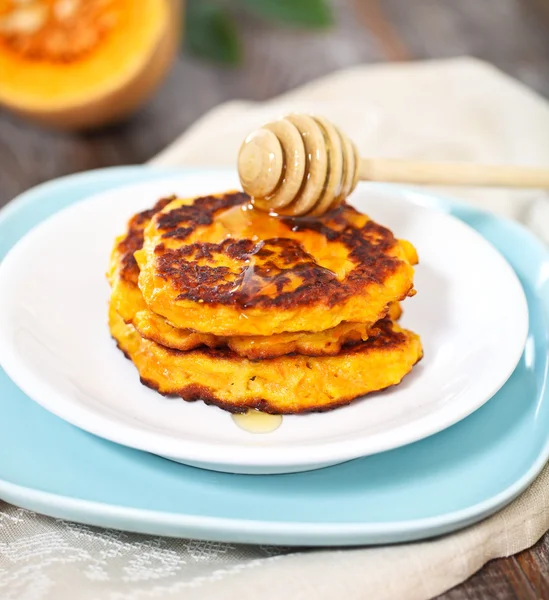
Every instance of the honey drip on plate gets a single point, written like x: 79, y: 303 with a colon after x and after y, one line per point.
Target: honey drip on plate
x: 255, y: 421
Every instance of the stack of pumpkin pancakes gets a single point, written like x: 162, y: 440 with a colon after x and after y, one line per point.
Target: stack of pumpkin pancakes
x: 215, y: 300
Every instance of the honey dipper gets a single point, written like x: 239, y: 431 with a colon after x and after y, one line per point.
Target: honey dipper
x: 303, y: 164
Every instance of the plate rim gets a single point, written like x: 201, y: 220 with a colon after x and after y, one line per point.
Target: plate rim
x: 170, y: 524
x: 86, y: 511
x: 263, y: 461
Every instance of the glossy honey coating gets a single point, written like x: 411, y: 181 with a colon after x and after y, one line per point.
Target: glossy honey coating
x: 298, y: 165
x: 218, y: 266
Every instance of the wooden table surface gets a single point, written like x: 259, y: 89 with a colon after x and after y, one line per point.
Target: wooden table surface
x: 512, y: 34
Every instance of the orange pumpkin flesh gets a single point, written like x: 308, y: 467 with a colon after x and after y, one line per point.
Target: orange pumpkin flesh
x: 76, y: 64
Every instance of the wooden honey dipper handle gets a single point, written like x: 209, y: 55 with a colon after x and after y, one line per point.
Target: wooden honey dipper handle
x: 451, y: 173
x: 303, y: 164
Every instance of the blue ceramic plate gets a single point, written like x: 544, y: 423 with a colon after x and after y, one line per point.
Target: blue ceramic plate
x: 439, y: 484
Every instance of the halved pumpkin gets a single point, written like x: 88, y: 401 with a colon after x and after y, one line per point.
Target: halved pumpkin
x: 76, y: 64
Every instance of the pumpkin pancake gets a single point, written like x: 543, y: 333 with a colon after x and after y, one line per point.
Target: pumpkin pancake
x: 283, y: 385
x: 217, y: 266
x: 123, y: 275
x: 129, y: 303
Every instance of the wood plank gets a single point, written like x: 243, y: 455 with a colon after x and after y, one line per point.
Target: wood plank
x: 541, y: 8
x: 535, y: 565
x: 507, y: 33
x: 375, y: 19
x: 498, y: 580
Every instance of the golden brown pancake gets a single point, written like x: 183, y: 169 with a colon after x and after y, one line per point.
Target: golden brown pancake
x: 129, y: 303
x: 321, y: 343
x: 284, y: 385
x: 216, y: 266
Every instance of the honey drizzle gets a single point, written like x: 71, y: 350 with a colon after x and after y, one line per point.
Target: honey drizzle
x: 255, y: 421
x: 248, y: 222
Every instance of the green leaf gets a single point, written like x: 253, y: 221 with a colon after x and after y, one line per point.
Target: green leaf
x: 210, y: 33
x: 306, y: 13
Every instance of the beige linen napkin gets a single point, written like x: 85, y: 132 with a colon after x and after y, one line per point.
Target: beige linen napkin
x: 459, y: 109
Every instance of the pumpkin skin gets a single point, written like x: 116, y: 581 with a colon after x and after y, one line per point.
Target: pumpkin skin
x: 75, y: 79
